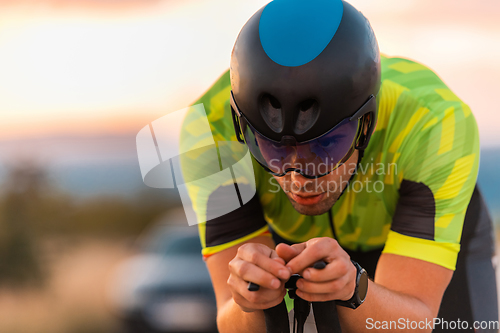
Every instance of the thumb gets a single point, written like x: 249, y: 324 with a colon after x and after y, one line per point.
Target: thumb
x: 276, y: 257
x: 287, y: 252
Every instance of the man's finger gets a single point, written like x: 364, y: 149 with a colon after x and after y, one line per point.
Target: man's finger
x: 339, y: 287
x: 263, y: 296
x: 252, y: 273
x: 277, y: 258
x: 256, y: 300
x: 288, y: 252
x: 319, y: 249
x: 333, y: 270
x: 271, y: 265
x: 315, y: 297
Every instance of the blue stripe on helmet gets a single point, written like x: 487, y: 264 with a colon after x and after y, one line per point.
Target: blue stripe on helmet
x: 294, y: 32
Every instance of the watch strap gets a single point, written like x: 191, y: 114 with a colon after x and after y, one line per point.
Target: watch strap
x: 355, y: 300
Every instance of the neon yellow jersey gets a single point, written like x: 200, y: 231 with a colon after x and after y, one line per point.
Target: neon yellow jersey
x: 412, y: 188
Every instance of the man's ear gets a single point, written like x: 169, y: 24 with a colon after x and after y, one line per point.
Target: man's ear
x: 366, y: 123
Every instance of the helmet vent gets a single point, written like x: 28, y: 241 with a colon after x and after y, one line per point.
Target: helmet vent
x: 307, y: 116
x: 270, y: 109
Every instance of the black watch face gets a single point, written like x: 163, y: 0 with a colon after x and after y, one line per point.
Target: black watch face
x: 363, y: 286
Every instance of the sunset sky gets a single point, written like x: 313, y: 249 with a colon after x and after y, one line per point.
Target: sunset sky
x: 93, y: 67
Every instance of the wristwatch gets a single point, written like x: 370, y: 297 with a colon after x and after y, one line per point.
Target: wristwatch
x: 360, y: 291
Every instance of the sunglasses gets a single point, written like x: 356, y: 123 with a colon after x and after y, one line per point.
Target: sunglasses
x: 313, y: 158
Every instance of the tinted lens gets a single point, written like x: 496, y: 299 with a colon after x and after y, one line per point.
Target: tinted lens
x: 315, y: 157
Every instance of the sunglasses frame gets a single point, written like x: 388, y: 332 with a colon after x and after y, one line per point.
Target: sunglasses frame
x: 366, y: 108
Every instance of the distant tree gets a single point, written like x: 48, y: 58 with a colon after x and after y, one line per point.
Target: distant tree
x: 19, y: 263
x: 37, y: 216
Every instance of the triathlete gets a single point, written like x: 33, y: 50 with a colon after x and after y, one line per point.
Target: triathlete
x: 357, y: 156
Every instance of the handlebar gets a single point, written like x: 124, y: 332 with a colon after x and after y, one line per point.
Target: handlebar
x: 325, y: 313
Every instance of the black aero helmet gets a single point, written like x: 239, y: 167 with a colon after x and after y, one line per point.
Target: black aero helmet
x: 300, y: 68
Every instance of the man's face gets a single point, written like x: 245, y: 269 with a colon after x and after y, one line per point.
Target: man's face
x: 317, y: 196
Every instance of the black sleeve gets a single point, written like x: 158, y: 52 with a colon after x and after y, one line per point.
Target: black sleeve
x: 414, y: 216
x: 415, y: 211
x: 234, y: 225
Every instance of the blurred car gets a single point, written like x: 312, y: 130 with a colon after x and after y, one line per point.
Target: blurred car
x: 167, y: 287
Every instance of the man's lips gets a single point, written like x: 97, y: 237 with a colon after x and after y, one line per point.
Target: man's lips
x: 307, y: 200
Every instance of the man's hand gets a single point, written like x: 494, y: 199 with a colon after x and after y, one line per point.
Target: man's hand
x: 259, y: 264
x: 336, y: 281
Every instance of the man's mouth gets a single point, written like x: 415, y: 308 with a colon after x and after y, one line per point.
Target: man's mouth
x: 307, y: 200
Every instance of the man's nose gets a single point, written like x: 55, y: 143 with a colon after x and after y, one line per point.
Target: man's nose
x: 300, y: 182
x: 298, y: 157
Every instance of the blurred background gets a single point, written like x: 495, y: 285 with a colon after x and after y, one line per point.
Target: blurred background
x: 80, y: 78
